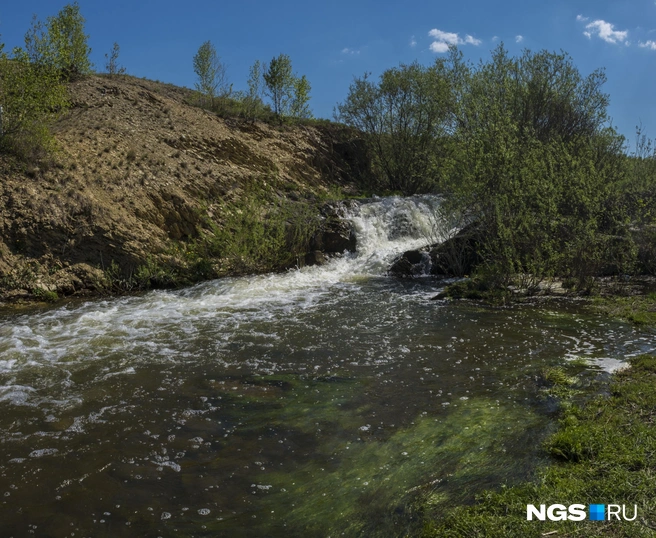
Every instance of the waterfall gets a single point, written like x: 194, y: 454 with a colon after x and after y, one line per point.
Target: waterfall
x: 389, y: 226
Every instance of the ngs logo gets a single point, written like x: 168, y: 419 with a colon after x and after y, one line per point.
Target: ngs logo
x: 576, y: 512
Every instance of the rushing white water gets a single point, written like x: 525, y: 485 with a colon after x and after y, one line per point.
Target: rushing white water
x: 148, y: 327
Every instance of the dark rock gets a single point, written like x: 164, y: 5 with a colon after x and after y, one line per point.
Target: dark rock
x: 316, y: 258
x: 457, y: 256
x: 410, y: 263
x: 334, y: 236
x: 414, y: 256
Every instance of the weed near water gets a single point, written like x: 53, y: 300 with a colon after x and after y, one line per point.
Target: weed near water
x: 356, y: 477
x: 260, y: 232
x: 638, y: 309
x: 603, y: 452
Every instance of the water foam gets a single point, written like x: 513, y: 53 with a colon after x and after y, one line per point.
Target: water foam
x: 150, y: 328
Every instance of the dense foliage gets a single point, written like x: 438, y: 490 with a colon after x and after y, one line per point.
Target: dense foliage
x: 536, y: 163
x: 32, y: 96
x: 32, y: 81
x: 406, y: 118
x: 523, y: 146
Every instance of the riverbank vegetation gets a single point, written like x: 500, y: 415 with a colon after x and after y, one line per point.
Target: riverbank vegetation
x: 603, y: 452
x: 524, y: 147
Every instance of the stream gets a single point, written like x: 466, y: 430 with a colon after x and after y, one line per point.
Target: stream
x: 325, y: 401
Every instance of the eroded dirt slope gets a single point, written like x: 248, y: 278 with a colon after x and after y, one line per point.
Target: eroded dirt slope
x: 138, y: 169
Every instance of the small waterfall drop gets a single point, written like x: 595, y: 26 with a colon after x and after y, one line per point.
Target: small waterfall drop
x: 389, y: 226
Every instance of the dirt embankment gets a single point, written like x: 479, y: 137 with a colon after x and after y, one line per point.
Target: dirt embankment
x: 140, y: 171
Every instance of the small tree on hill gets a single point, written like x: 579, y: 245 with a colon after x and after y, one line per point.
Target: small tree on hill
x: 32, y: 97
x: 112, y: 65
x: 211, y: 73
x: 253, y: 100
x: 300, y: 107
x: 60, y: 42
x: 279, y: 82
x: 289, y: 94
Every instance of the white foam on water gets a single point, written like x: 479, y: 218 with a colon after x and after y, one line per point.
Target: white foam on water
x: 43, y: 452
x: 15, y: 394
x: 150, y: 325
x: 608, y: 364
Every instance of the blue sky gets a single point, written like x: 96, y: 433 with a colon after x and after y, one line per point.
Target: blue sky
x: 331, y: 42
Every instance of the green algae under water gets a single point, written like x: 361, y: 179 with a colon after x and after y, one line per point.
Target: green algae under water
x: 323, y: 402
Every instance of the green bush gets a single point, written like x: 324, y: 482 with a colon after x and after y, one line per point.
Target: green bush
x: 32, y: 98
x: 259, y: 233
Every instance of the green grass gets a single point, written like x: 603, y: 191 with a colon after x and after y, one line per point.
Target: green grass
x: 639, y: 309
x: 604, y: 452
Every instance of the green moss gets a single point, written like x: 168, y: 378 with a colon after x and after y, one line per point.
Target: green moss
x: 603, y: 452
x: 45, y: 295
x: 639, y: 309
x: 559, y: 384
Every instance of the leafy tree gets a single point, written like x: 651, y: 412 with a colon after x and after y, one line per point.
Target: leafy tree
x: 112, y: 65
x: 289, y: 94
x: 32, y: 97
x: 253, y: 100
x: 280, y: 82
x: 60, y: 42
x: 211, y: 72
x: 300, y: 105
x: 406, y: 118
x: 255, y: 80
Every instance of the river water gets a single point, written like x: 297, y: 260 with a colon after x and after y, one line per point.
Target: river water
x: 325, y: 401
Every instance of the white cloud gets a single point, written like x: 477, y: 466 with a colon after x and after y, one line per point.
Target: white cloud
x: 413, y: 41
x: 648, y: 45
x: 350, y: 52
x: 495, y: 38
x: 439, y: 47
x: 519, y: 38
x: 442, y: 40
x: 445, y: 37
x: 605, y: 30
x: 581, y: 18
